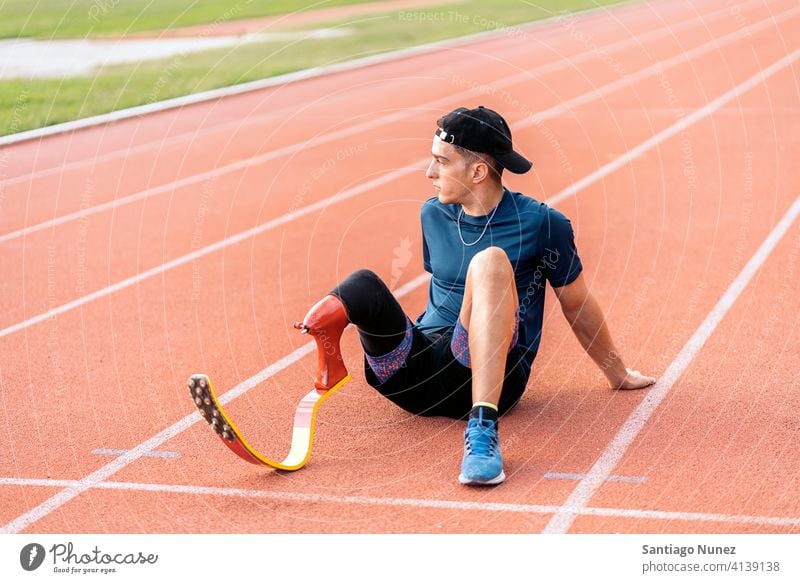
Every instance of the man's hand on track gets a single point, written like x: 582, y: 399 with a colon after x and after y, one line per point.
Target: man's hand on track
x: 634, y: 380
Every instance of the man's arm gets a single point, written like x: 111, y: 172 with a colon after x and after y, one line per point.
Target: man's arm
x: 589, y: 325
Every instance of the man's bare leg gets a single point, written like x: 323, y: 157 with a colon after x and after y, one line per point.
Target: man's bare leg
x: 488, y: 315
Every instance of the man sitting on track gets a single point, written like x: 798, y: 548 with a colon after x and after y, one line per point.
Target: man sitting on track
x: 489, y: 251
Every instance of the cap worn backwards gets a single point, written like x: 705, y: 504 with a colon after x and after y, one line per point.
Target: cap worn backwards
x: 482, y: 130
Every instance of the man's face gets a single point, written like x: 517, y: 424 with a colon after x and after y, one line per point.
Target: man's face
x: 450, y: 172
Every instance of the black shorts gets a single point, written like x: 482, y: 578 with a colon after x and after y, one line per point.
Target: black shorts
x: 432, y: 382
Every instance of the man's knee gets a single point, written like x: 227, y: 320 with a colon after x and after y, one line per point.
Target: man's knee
x: 492, y: 263
x: 366, y: 297
x: 359, y: 283
x: 367, y: 277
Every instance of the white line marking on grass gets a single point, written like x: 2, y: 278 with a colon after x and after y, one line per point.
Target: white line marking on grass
x: 608, y: 460
x: 411, y: 502
x: 41, y: 58
x: 537, y: 119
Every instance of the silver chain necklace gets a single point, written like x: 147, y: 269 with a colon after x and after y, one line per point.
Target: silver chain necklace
x: 486, y: 226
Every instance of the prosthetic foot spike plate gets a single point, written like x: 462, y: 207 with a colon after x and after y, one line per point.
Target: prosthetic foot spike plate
x: 204, y: 397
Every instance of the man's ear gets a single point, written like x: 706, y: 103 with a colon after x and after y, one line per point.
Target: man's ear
x: 480, y: 171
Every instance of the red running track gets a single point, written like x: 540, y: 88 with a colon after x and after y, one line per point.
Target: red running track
x: 138, y: 253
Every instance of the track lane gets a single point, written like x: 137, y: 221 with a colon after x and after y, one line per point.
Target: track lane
x: 155, y: 128
x: 71, y: 193
x: 209, y: 190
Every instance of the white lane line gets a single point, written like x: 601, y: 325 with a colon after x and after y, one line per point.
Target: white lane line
x: 576, y: 477
x: 73, y: 489
x: 314, y: 72
x: 412, y: 502
x: 202, y: 252
x: 611, y: 456
x: 196, y: 178
x: 535, y: 120
x: 678, y: 127
x: 161, y: 454
x: 100, y: 475
x: 553, y: 66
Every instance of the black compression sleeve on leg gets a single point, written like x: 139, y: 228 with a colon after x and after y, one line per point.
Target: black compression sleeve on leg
x: 372, y: 307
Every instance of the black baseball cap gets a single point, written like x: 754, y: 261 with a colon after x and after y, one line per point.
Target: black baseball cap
x: 482, y: 130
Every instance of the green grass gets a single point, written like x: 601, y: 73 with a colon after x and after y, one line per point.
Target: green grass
x: 32, y: 104
x: 82, y: 18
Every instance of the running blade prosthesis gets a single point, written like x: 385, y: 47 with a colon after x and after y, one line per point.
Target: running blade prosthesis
x: 325, y: 322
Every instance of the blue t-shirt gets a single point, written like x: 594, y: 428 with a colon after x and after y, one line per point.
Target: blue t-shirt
x: 539, y: 243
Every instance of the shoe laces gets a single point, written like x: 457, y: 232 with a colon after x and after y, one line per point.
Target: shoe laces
x: 481, y: 438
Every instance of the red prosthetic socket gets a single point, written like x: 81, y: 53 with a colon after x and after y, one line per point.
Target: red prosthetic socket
x: 325, y: 321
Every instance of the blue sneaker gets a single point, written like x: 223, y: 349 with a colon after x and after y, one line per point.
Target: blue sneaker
x: 482, y: 464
